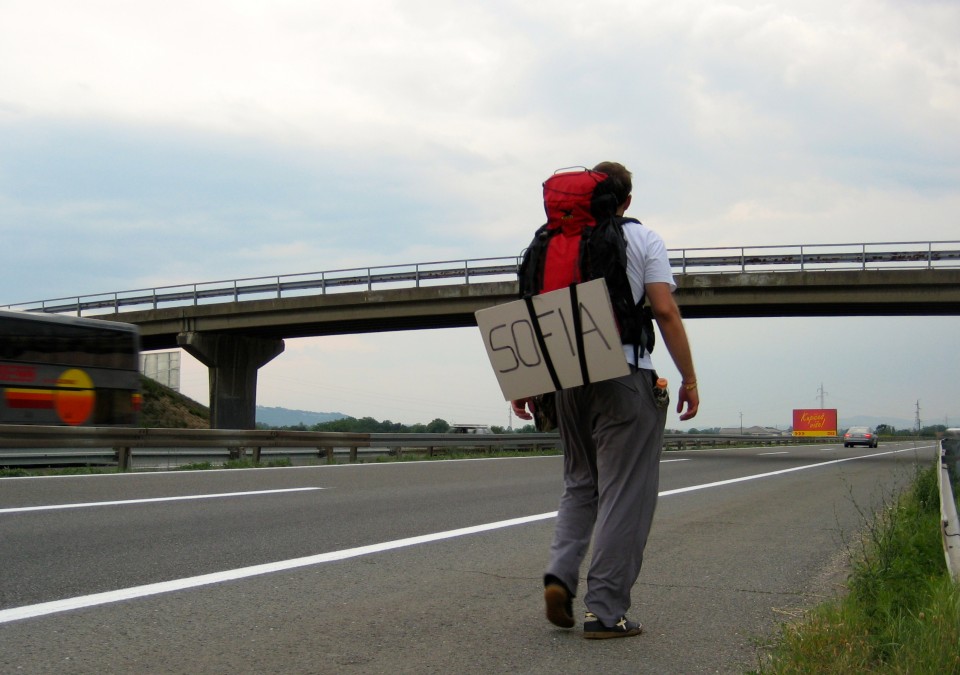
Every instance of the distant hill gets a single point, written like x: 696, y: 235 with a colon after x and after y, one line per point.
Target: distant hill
x: 284, y: 417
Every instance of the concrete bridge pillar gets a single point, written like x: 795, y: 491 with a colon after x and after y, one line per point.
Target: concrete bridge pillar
x: 233, y: 361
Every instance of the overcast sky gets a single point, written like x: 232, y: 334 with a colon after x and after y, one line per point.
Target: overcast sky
x: 146, y: 144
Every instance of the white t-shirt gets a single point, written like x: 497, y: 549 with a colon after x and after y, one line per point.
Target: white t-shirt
x: 647, y: 262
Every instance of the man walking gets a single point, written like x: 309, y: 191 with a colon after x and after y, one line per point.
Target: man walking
x: 612, y: 436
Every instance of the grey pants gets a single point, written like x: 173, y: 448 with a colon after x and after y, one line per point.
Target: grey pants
x: 612, y: 434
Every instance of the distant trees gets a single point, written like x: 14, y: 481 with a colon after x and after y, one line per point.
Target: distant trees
x: 369, y: 425
x: 929, y: 431
x: 438, y: 426
x: 363, y: 425
x: 525, y: 429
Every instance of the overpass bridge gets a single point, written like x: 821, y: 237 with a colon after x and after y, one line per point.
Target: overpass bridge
x: 236, y: 326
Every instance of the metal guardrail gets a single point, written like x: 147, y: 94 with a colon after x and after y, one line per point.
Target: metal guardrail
x: 733, y: 259
x: 21, y: 444
x: 30, y: 445
x: 949, y: 521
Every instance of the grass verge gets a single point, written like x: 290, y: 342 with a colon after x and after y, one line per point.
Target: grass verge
x: 902, y: 612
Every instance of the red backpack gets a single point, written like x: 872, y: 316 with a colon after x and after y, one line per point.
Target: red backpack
x: 583, y: 240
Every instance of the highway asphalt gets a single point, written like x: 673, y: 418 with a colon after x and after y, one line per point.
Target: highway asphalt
x: 417, y: 567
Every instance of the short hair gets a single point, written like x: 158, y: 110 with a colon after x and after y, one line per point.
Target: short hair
x: 620, y: 177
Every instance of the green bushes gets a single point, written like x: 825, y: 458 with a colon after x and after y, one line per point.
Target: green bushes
x: 902, y: 614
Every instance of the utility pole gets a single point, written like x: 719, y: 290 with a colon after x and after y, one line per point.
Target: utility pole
x: 741, y: 423
x: 918, y: 416
x: 821, y: 393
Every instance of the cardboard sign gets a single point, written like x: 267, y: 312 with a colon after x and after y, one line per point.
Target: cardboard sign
x: 533, y: 348
x: 815, y: 422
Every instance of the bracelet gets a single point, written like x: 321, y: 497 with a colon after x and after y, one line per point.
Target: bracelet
x: 689, y: 386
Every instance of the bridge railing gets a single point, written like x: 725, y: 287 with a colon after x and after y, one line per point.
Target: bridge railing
x: 733, y: 259
x: 818, y: 257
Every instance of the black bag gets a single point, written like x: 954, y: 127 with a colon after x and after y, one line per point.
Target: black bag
x: 545, y: 411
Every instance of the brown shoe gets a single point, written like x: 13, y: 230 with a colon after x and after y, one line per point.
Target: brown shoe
x: 559, y: 603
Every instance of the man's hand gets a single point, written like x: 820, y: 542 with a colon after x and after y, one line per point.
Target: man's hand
x: 520, y: 407
x: 691, y: 398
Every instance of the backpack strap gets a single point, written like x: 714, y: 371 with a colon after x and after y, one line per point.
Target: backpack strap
x: 578, y: 331
x: 647, y: 337
x: 530, y: 274
x: 541, y: 342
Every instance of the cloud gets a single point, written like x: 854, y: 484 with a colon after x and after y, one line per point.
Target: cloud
x: 145, y: 145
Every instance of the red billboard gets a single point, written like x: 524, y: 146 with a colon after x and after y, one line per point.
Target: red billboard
x: 815, y: 422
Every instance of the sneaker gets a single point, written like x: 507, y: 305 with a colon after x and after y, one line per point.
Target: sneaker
x: 595, y: 629
x: 559, y: 603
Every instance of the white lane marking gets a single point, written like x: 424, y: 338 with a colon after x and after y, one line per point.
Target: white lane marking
x: 693, y: 488
x: 80, y: 602
x: 56, y: 606
x: 84, y: 505
x: 679, y: 459
x: 781, y: 452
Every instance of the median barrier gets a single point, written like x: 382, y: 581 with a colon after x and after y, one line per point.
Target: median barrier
x: 117, y: 445
x: 29, y: 445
